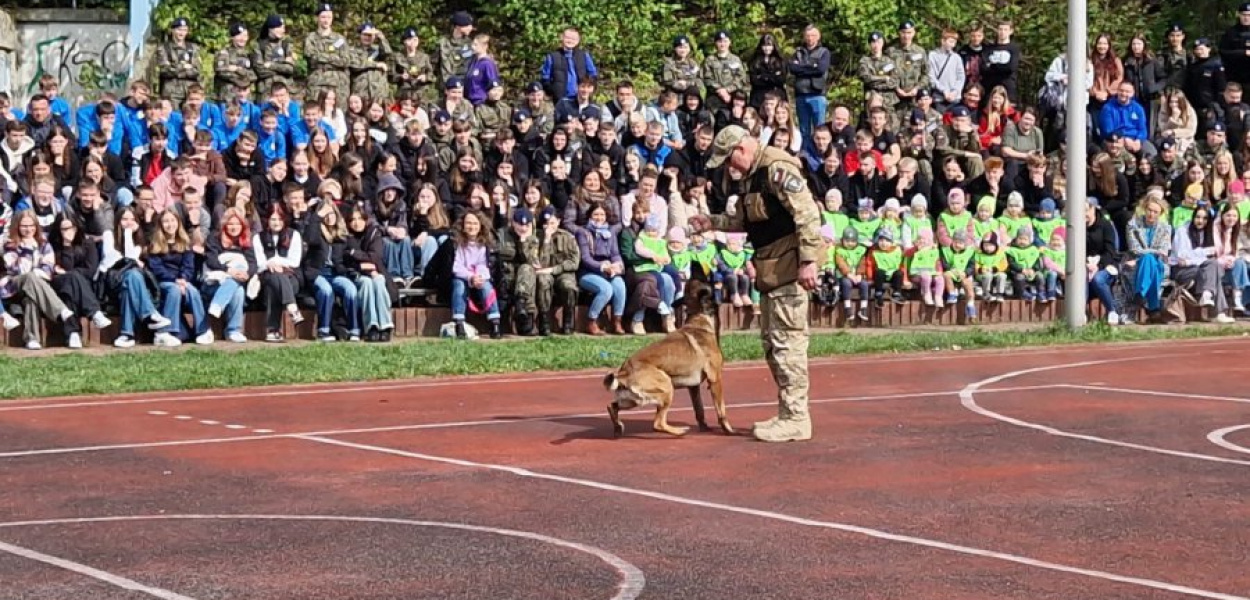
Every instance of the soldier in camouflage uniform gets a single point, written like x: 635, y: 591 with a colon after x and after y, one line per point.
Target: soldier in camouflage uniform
x: 878, y: 71
x: 455, y: 51
x: 516, y: 254
x: 782, y: 222
x: 411, y: 71
x: 493, y: 114
x: 329, y: 58
x: 273, y: 59
x: 233, y: 67
x: 555, y: 275
x: 960, y: 140
x: 723, y: 74
x: 680, y: 72
x: 373, y: 57
x: 911, y: 63
x: 540, y: 108
x: 1174, y: 59
x: 455, y: 103
x: 178, y: 63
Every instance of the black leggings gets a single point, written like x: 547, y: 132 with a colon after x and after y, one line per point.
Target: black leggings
x: 280, y: 291
x: 76, y: 292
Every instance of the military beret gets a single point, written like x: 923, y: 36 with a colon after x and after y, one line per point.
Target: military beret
x: 178, y: 23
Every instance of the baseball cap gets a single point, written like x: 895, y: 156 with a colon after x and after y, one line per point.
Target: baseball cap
x: 724, y: 143
x: 522, y: 216
x: 591, y: 112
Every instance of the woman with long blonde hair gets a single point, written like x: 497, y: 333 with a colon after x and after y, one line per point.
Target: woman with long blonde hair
x: 172, y: 261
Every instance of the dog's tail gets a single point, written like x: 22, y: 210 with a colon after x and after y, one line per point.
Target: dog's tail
x: 611, y: 382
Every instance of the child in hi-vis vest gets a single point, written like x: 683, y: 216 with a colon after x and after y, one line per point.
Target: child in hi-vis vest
x: 991, y: 269
x: 958, y: 270
x: 827, y: 293
x: 682, y: 257
x: 1047, y: 223
x: 915, y: 221
x: 925, y: 266
x: 731, y: 270
x: 1054, y: 265
x: 885, y: 263
x: 849, y: 256
x: 867, y: 222
x: 1025, y: 262
x: 833, y: 215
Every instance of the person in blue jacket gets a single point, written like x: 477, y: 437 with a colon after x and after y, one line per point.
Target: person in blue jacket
x: 1126, y: 118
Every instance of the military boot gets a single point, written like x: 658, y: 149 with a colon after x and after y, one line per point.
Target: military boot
x: 786, y: 430
x: 544, y: 328
x: 524, y: 324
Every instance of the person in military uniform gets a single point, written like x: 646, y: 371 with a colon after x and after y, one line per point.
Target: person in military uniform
x: 233, y: 67
x: 411, y: 70
x: 373, y: 57
x: 723, y: 74
x: 1235, y: 47
x: 555, y: 274
x: 911, y: 69
x: 961, y: 141
x: 178, y: 63
x: 540, y: 109
x: 516, y: 254
x: 1214, y: 141
x: 680, y: 71
x: 454, y: 102
x: 878, y: 71
x: 1204, y: 79
x: 455, y: 51
x: 782, y: 222
x: 329, y: 58
x: 273, y: 60
x: 492, y: 116
x: 1174, y: 59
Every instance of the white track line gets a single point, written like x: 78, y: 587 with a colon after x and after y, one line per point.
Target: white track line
x: 1103, y: 388
x: 319, y: 389
x: 632, y: 578
x: 270, y: 435
x: 1218, y: 436
x: 98, y: 575
x: 855, y: 529
x: 967, y: 398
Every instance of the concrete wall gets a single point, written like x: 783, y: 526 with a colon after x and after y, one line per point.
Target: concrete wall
x: 88, y: 51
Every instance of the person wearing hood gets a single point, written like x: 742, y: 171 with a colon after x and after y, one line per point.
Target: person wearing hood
x: 391, y: 213
x: 1235, y: 46
x: 272, y: 59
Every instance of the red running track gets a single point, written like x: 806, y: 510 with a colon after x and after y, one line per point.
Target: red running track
x: 1109, y: 472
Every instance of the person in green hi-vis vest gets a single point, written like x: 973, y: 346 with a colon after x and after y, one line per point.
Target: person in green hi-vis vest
x: 885, y: 264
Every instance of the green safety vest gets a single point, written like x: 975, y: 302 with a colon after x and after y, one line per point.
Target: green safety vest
x: 838, y: 221
x: 658, y: 247
x: 957, y: 261
x: 1059, y: 257
x: 989, y: 261
x: 1181, y: 215
x: 733, y: 260
x: 895, y: 229
x: 925, y: 259
x: 682, y: 259
x: 1013, y: 225
x: 706, y: 257
x: 980, y: 228
x: 853, y: 257
x: 867, y: 230
x: 1025, y: 258
x: 1044, y: 229
x: 888, y: 262
x: 917, y: 225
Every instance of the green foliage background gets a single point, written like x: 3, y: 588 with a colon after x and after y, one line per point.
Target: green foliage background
x: 629, y: 38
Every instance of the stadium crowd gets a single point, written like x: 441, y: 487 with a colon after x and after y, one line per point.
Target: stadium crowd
x: 390, y: 169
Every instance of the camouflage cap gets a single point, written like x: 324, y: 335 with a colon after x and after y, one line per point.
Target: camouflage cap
x: 724, y: 144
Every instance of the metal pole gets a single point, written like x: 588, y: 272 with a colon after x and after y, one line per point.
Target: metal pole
x: 1076, y: 284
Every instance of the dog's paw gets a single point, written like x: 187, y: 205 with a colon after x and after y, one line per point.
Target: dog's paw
x: 727, y: 428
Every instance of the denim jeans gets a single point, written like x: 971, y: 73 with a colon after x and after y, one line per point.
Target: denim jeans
x: 174, y: 300
x: 427, y: 251
x: 605, y: 291
x: 325, y: 287
x: 668, y: 289
x: 460, y: 291
x: 228, y: 296
x: 397, y: 256
x: 136, y: 301
x: 1239, y: 277
x: 811, y: 112
x: 375, y: 303
x: 1100, y: 286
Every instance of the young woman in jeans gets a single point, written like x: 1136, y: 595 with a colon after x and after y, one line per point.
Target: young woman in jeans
x: 172, y: 262
x: 601, y: 270
x: 229, y: 264
x: 29, y: 261
x: 333, y: 278
x: 122, y: 267
x: 471, y: 283
x: 364, y: 257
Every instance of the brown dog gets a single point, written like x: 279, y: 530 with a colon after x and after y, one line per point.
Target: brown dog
x: 684, y: 358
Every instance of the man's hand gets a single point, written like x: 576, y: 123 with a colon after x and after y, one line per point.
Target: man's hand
x: 699, y: 223
x: 807, y: 276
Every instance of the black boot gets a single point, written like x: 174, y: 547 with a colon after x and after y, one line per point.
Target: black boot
x: 524, y: 324
x: 495, y: 331
x: 567, y: 328
x: 460, y: 333
x: 544, y: 328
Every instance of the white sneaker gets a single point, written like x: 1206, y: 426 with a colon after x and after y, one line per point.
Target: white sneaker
x: 296, y: 316
x: 237, y: 337
x: 215, y: 310
x: 166, y: 340
x: 75, y: 341
x: 124, y: 341
x: 205, y: 339
x: 9, y: 322
x: 1223, y: 318
x: 326, y: 337
x: 33, y: 345
x: 158, y: 321
x: 1208, y: 299
x: 100, y: 321
x: 1113, y: 318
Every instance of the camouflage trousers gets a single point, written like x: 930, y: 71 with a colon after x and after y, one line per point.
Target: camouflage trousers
x: 784, y: 332
x: 534, y: 293
x: 176, y: 90
x: 339, y: 81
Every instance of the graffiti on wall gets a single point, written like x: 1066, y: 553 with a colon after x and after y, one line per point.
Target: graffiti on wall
x: 80, y: 67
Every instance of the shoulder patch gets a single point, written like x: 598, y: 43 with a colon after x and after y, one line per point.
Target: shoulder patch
x: 794, y: 184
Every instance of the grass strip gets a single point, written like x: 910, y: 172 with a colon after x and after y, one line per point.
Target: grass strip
x: 203, y: 368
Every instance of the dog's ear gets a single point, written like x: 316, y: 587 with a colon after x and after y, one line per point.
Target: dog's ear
x: 610, y: 382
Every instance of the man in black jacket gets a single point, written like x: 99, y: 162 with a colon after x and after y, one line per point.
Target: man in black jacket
x: 810, y: 68
x: 1235, y: 47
